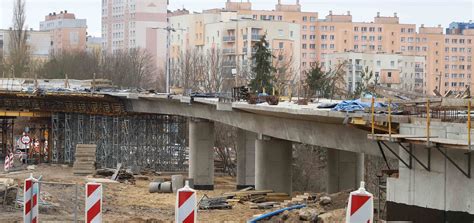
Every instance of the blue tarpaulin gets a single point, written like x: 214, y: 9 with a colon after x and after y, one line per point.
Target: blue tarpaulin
x: 356, y: 105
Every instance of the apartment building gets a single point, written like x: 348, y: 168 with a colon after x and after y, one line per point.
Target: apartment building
x: 402, y: 72
x: 447, y: 54
x: 39, y: 43
x: 234, y: 36
x: 132, y: 24
x: 67, y: 32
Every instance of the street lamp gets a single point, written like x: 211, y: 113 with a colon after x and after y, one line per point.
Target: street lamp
x: 168, y: 59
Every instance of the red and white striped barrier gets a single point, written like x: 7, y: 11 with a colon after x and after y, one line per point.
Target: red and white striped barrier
x: 186, y: 205
x: 8, y: 162
x: 361, y: 206
x: 93, y: 202
x: 30, y: 198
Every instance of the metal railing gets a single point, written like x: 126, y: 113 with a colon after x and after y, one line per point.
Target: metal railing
x: 228, y: 38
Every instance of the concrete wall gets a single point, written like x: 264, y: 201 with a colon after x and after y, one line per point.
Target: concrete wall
x: 444, y: 187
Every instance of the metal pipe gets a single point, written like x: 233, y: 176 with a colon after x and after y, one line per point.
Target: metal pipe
x: 428, y: 122
x: 75, y: 203
x: 390, y: 119
x: 373, y: 116
x: 469, y: 124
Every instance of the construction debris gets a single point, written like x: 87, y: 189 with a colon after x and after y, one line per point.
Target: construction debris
x: 8, y: 191
x: 207, y: 203
x: 85, y: 159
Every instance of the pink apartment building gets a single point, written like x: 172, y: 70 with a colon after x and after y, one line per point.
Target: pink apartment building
x: 130, y: 24
x: 67, y: 32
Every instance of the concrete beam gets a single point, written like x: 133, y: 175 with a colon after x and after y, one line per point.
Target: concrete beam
x: 316, y: 131
x: 201, y: 153
x: 273, y: 165
x: 245, y: 159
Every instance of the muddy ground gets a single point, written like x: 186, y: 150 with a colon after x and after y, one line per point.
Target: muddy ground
x: 125, y: 202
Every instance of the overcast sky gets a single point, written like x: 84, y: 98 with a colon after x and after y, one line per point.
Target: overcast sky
x: 428, y: 12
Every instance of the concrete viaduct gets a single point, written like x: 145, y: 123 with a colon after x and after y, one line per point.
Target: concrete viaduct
x: 265, y: 140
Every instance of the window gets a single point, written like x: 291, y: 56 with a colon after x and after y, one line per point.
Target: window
x: 305, y: 18
x: 280, y: 45
x: 378, y: 63
x: 304, y: 37
x: 392, y: 63
x: 324, y: 37
x: 305, y: 46
x: 312, y: 46
x: 402, y: 39
x: 331, y: 37
x: 312, y: 19
x: 380, y: 29
x: 364, y: 38
x: 356, y: 28
x: 305, y: 27
x: 379, y: 47
x: 356, y: 47
x: 356, y: 38
x: 280, y: 18
x: 331, y: 46
x: 380, y: 38
x: 372, y: 29
x: 364, y: 29
x: 281, y: 32
x: 389, y: 74
x: 312, y: 28
x: 403, y: 30
x: 312, y: 37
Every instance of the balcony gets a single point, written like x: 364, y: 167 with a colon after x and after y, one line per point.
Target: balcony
x: 228, y: 51
x: 229, y: 63
x: 256, y: 37
x: 419, y: 70
x: 228, y: 38
x: 359, y: 68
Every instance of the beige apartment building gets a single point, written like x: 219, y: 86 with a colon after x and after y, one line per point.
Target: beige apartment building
x: 234, y: 36
x: 448, y: 56
x: 39, y: 43
x: 402, y: 72
x: 67, y: 32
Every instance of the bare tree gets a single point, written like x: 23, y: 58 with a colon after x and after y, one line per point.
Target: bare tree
x: 133, y: 68
x: 19, y: 55
x: 214, y: 64
x: 286, y: 71
x: 75, y: 64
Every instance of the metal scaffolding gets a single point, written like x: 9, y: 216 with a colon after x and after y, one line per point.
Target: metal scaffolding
x: 156, y: 142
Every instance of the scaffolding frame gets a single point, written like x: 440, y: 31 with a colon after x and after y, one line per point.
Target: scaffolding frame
x: 143, y: 141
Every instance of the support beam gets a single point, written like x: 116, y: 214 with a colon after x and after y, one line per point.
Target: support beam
x: 245, y: 159
x: 345, y: 170
x: 273, y: 164
x: 201, y: 153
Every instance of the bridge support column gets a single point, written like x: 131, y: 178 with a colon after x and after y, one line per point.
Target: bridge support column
x: 273, y: 164
x: 245, y: 159
x: 345, y: 170
x: 201, y: 153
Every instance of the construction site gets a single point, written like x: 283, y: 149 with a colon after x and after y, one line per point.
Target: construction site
x: 250, y: 158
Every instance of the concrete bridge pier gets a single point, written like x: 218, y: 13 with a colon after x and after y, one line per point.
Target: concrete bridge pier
x: 345, y: 170
x: 273, y: 164
x: 201, y: 153
x: 245, y: 159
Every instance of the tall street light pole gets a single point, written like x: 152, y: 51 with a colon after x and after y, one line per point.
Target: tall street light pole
x: 168, y: 58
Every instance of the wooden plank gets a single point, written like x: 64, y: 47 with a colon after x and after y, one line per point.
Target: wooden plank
x: 114, y: 177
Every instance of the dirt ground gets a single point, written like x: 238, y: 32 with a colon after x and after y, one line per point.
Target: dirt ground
x: 122, y: 202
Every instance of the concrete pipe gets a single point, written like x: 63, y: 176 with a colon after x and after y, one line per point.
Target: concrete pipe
x: 160, y: 187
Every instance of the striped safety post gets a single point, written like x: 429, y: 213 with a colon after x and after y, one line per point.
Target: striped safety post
x: 186, y: 205
x: 93, y: 202
x: 361, y: 206
x: 30, y: 198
